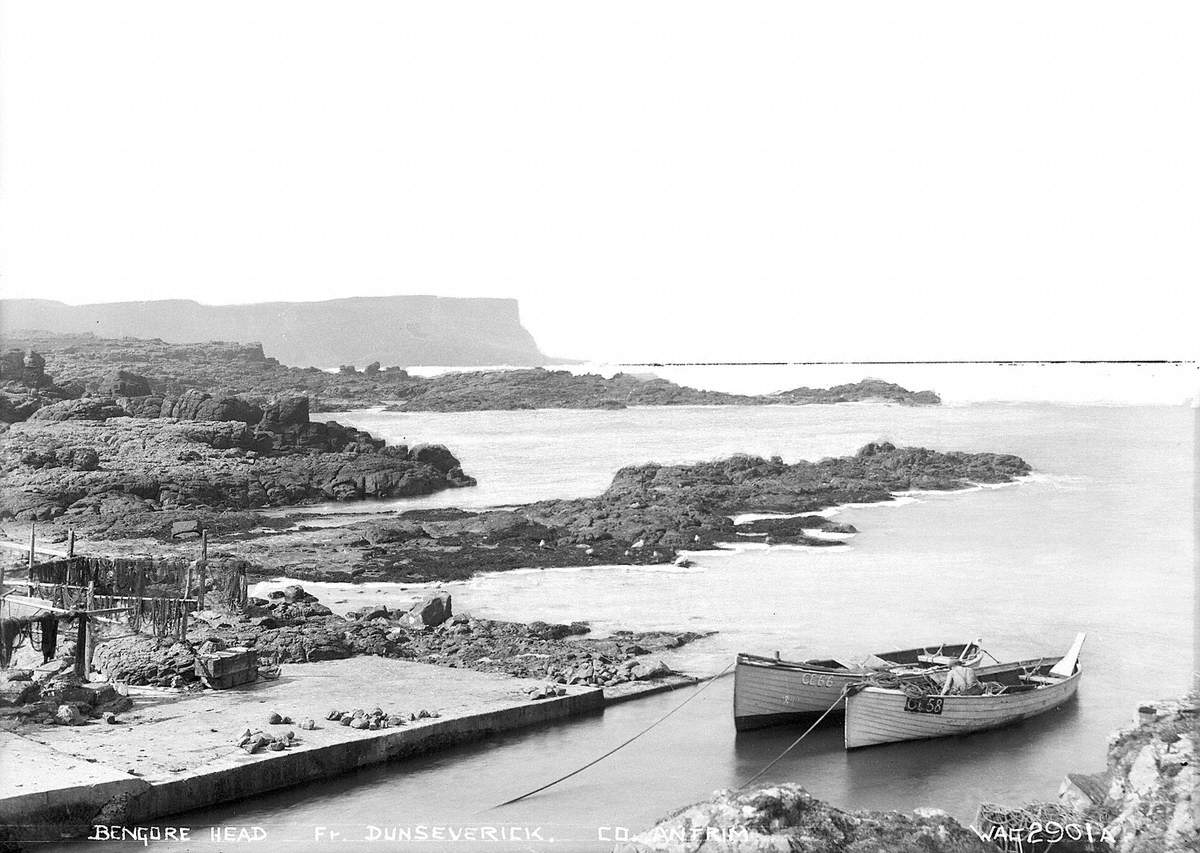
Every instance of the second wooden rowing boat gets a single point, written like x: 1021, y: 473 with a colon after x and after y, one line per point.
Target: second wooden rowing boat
x: 1008, y: 693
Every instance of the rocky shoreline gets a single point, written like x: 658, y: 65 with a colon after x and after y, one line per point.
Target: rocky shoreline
x: 292, y: 626
x: 85, y: 364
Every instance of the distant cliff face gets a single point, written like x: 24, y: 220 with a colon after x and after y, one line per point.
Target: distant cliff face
x: 400, y: 330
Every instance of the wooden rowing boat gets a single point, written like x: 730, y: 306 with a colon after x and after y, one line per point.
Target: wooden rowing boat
x: 770, y: 691
x: 1014, y: 691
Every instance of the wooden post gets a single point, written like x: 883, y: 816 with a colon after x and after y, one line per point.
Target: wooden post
x: 203, y: 568
x: 139, y: 585
x: 183, y: 617
x: 71, y: 542
x: 81, y: 647
x: 89, y: 629
x: 32, y: 542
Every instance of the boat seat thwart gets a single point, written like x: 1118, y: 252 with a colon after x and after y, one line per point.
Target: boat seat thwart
x: 1042, y: 679
x: 938, y: 660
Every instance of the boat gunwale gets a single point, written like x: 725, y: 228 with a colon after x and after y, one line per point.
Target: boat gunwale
x: 750, y: 659
x: 991, y: 670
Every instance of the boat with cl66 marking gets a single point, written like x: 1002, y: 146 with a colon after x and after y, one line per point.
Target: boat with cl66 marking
x: 994, y: 696
x: 770, y: 691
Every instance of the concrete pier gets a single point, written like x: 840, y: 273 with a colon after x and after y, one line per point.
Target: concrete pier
x: 177, y: 752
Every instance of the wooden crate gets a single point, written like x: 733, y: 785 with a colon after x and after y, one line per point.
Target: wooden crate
x: 228, y: 668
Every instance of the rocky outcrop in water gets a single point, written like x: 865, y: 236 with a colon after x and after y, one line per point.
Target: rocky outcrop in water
x: 787, y: 819
x: 227, y: 369
x: 857, y: 392
x: 687, y: 506
x: 539, y: 388
x: 90, y: 462
x: 646, y: 516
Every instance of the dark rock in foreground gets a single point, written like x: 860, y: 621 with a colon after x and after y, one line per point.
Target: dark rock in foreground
x: 787, y: 819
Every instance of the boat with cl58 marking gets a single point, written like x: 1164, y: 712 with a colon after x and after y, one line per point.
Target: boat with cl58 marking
x: 938, y: 705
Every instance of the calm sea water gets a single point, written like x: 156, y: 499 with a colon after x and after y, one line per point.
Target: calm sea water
x: 1100, y: 539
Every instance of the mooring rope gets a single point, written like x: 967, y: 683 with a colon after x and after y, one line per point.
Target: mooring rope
x: 701, y: 688
x: 794, y: 743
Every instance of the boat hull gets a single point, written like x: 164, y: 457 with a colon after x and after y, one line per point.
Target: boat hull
x: 766, y: 695
x: 878, y: 715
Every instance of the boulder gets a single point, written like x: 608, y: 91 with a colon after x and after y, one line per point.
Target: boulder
x: 429, y: 612
x: 388, y: 532
x: 80, y: 459
x: 436, y: 456
x: 87, y: 409
x: 284, y: 412
x: 293, y: 593
x: 644, y: 670
x: 195, y: 405
x: 123, y: 383
x: 548, y: 631
x: 14, y: 692
x: 69, y: 715
x: 149, y: 406
x: 186, y: 529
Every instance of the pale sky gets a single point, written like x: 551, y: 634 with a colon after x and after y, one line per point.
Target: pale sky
x: 652, y: 180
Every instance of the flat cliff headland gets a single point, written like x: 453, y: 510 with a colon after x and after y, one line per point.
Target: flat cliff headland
x: 392, y: 329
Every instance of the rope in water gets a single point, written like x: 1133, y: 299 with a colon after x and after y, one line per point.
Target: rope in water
x: 701, y: 688
x: 796, y: 742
